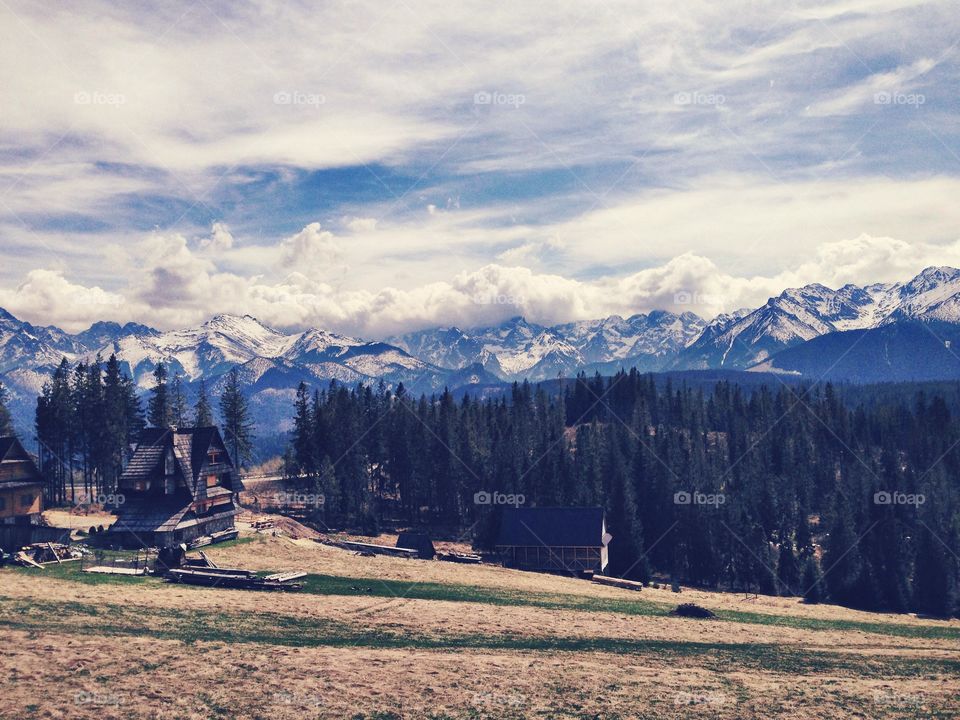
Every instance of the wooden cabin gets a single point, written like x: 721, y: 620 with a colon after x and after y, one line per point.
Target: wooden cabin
x: 180, y: 484
x: 21, y: 484
x: 554, y: 539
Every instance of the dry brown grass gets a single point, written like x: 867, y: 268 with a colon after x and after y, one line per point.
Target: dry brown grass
x: 79, y: 518
x: 139, y: 674
x: 318, y: 558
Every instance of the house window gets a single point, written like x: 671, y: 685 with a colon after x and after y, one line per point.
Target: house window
x: 212, y: 481
x: 168, y: 466
x: 214, y: 456
x: 26, y: 500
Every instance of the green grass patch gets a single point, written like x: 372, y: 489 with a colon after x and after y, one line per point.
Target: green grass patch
x: 332, y: 585
x: 374, y: 587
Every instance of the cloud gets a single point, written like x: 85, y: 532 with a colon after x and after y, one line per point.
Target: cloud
x: 600, y: 176
x: 532, y: 251
x: 48, y: 294
x: 880, y: 88
x: 312, y: 251
x: 122, y: 101
x: 177, y: 287
x: 220, y: 239
x: 360, y: 224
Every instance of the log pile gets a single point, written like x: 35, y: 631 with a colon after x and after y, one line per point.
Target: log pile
x: 371, y: 549
x: 48, y: 553
x: 457, y: 557
x: 235, y: 578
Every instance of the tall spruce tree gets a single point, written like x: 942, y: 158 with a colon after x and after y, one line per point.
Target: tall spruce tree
x: 235, y: 416
x: 304, y: 446
x: 158, y: 407
x: 55, y: 422
x: 178, y: 401
x: 202, y: 410
x: 812, y: 581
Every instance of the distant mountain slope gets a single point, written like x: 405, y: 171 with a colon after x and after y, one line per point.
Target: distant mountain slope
x: 802, y: 314
x: 518, y: 349
x: 271, y: 364
x: 893, y: 352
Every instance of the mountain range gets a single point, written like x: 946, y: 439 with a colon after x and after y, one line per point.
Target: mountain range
x: 884, y: 331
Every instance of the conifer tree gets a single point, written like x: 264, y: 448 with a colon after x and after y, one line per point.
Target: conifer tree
x: 235, y: 415
x: 202, y: 410
x: 178, y: 401
x: 158, y: 407
x: 812, y: 581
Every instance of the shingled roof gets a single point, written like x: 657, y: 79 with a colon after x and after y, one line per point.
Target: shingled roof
x: 551, y: 527
x: 189, y: 447
x: 5, y: 444
x: 143, y: 462
x: 12, y: 452
x: 152, y: 514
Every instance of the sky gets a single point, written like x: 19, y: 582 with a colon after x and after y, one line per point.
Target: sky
x: 374, y: 167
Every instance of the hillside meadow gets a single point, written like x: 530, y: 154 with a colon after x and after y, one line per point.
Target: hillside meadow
x: 394, y: 638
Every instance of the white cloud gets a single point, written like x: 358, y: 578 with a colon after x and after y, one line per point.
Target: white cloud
x: 177, y: 287
x: 876, y: 89
x: 220, y: 239
x: 530, y: 252
x: 360, y: 224
x: 312, y: 251
x: 48, y: 294
x: 392, y: 91
x: 596, y: 174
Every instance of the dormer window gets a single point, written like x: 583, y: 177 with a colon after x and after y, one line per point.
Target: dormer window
x: 214, y: 455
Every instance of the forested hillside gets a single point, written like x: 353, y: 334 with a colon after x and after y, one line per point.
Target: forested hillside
x: 783, y: 489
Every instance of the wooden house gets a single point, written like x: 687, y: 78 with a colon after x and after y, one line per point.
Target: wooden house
x: 21, y: 485
x: 554, y: 539
x: 180, y: 484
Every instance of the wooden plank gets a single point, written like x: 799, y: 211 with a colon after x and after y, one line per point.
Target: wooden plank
x: 221, y: 571
x: 466, y: 558
x: 108, y: 570
x: 618, y: 582
x: 23, y: 557
x: 286, y: 577
x: 379, y: 549
x: 225, y: 535
x: 208, y: 561
x: 56, y: 557
x: 241, y: 582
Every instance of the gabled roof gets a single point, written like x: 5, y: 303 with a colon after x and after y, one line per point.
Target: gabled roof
x: 5, y: 444
x: 12, y: 449
x: 189, y: 447
x: 151, y: 514
x: 163, y: 514
x: 551, y: 527
x: 12, y: 452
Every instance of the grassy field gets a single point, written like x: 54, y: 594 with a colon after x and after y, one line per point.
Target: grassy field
x: 393, y: 638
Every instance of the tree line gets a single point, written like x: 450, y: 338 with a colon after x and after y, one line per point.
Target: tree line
x: 89, y: 416
x: 783, y: 490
